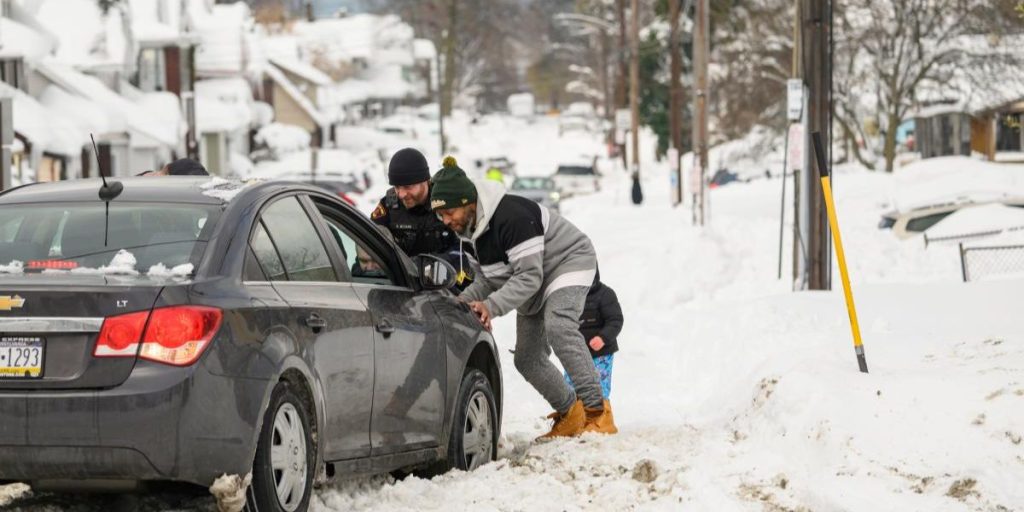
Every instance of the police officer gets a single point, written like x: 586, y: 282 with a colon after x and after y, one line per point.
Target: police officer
x: 405, y: 212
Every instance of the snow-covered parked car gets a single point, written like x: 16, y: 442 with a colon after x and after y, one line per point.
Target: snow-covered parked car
x: 573, y: 179
x: 539, y: 188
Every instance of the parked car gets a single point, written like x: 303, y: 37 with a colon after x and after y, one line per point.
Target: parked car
x: 502, y: 163
x: 572, y: 179
x: 345, y: 186
x: 290, y: 338
x: 539, y: 188
x: 723, y: 177
x: 919, y: 220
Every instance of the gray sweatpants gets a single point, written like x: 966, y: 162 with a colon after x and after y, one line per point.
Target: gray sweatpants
x: 557, y: 327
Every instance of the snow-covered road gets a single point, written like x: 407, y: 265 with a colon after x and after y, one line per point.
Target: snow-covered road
x: 733, y: 393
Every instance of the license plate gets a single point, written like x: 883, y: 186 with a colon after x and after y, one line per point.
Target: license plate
x: 21, y: 357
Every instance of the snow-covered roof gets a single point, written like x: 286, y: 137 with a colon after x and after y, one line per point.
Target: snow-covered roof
x: 302, y: 69
x: 86, y: 114
x: 46, y: 128
x: 369, y: 37
x: 153, y: 115
x: 292, y: 91
x: 86, y: 38
x: 227, y: 104
x: 214, y: 114
x: 223, y: 38
x: 18, y: 40
x: 158, y: 21
x: 989, y: 75
x: 384, y: 82
x: 424, y: 49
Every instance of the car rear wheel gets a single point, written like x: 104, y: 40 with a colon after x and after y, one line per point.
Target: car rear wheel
x: 283, y: 469
x: 474, y: 438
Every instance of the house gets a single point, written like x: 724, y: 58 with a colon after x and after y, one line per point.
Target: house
x: 375, y: 61
x: 47, y: 145
x: 292, y: 106
x: 226, y: 119
x: 991, y: 131
x: 979, y: 109
x: 122, y: 77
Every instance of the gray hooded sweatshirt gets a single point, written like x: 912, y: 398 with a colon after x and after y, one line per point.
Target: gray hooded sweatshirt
x: 525, y: 252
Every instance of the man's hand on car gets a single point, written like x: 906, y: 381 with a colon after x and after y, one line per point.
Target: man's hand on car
x: 482, y: 313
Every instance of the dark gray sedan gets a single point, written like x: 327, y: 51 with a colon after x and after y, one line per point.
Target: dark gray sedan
x: 192, y: 327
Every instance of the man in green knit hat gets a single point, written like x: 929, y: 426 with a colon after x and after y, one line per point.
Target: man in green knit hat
x: 537, y: 263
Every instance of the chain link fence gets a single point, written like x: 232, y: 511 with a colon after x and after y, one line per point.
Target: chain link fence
x: 980, y: 262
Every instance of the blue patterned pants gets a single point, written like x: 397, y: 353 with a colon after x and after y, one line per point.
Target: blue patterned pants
x: 604, y: 370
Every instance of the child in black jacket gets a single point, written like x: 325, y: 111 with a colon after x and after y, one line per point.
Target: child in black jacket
x: 601, y: 323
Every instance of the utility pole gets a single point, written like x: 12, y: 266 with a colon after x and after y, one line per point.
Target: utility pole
x: 815, y: 46
x: 440, y: 101
x: 634, y: 100
x: 6, y: 140
x: 620, y: 79
x: 675, y: 116
x: 700, y: 107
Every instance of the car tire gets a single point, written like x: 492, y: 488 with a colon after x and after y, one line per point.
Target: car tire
x: 286, y: 427
x: 474, y: 437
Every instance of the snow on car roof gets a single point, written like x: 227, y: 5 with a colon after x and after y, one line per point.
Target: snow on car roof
x: 956, y: 179
x: 987, y: 218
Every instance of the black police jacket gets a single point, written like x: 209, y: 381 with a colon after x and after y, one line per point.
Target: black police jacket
x: 416, y: 230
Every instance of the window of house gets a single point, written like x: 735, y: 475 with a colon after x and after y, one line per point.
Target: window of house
x: 12, y: 72
x: 151, y: 70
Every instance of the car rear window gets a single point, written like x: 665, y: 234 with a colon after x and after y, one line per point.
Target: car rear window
x: 575, y: 170
x: 86, y: 235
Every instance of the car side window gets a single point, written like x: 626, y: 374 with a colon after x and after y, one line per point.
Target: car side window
x: 366, y: 266
x: 266, y: 256
x: 293, y: 234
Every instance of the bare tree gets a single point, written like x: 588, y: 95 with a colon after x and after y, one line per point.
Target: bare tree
x: 888, y: 50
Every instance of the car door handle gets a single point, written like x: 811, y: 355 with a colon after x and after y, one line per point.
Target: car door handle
x: 385, y: 327
x: 315, y: 322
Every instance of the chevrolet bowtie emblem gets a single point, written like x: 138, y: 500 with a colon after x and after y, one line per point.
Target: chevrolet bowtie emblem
x: 8, y: 303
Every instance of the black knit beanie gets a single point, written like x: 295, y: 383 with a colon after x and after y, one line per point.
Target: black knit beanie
x: 186, y: 167
x: 451, y: 187
x: 408, y: 167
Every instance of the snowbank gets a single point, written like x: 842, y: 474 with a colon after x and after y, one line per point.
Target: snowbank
x: 283, y: 138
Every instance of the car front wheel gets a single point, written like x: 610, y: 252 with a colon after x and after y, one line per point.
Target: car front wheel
x: 283, y: 469
x: 474, y: 438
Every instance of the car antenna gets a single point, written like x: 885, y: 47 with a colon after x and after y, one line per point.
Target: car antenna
x: 107, y: 192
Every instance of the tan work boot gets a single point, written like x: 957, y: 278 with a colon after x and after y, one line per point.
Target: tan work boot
x: 569, y: 424
x: 601, y: 421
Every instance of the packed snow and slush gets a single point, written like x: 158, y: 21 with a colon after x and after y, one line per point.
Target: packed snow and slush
x: 733, y: 393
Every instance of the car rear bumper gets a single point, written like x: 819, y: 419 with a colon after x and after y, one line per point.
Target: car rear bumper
x: 162, y: 423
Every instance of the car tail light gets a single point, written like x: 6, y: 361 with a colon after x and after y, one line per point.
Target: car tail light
x: 175, y: 335
x: 120, y: 335
x: 52, y: 264
x: 178, y: 335
x: 346, y: 198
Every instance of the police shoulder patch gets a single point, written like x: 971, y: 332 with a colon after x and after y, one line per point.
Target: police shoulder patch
x: 378, y: 212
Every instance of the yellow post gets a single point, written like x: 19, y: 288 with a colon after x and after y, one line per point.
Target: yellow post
x: 826, y: 189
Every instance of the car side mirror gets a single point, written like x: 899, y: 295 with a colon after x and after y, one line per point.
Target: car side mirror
x: 435, y: 273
